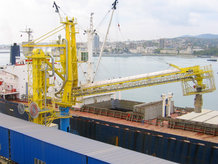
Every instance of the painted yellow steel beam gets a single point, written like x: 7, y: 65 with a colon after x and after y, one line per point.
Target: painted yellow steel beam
x: 47, y: 45
x: 194, y: 74
x: 45, y: 35
x: 74, y: 61
x: 71, y: 60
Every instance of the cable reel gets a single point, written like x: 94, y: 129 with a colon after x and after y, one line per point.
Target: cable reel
x: 34, y: 110
x: 21, y: 108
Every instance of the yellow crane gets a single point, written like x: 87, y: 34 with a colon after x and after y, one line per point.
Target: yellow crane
x: 43, y: 109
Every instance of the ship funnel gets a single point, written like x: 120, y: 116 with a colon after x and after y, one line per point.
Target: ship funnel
x: 15, y: 51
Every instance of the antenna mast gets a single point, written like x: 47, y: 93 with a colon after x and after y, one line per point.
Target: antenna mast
x: 90, y: 36
x: 29, y: 32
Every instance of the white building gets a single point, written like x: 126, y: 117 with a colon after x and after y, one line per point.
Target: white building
x: 96, y: 44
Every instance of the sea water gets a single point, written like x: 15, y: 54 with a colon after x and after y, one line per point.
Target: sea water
x: 115, y: 67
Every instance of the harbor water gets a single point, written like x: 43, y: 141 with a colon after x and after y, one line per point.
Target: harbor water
x: 115, y: 67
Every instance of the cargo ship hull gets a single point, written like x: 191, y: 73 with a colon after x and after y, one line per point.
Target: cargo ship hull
x: 173, y: 147
x: 167, y: 146
x: 11, y: 108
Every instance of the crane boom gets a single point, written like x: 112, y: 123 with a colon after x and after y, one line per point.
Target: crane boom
x: 195, y: 80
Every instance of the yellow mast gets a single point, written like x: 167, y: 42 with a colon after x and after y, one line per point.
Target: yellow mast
x: 71, y: 77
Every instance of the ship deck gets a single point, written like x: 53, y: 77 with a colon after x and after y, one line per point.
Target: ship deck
x: 149, y: 126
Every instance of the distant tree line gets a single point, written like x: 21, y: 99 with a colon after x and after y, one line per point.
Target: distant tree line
x: 157, y: 51
x: 209, y: 52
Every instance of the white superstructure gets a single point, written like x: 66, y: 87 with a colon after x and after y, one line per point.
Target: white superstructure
x: 14, y: 79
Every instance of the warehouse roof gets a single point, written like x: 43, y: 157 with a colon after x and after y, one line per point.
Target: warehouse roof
x: 75, y: 143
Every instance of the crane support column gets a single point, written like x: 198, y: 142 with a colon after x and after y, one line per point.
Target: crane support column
x: 65, y: 122
x: 164, y: 98
x: 38, y: 84
x: 198, y: 103
x: 71, y: 77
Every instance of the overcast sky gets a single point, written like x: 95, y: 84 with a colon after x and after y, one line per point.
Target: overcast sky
x: 138, y: 19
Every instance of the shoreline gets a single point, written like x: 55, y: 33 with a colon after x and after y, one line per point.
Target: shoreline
x: 141, y: 55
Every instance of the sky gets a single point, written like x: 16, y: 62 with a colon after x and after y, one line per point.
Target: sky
x: 137, y: 19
